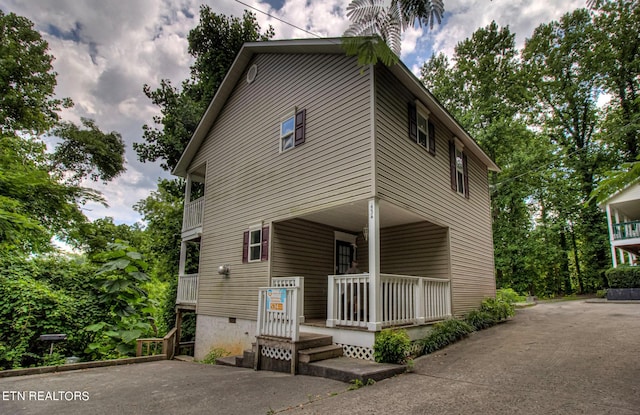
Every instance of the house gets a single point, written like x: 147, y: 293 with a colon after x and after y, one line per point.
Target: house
x: 309, y: 162
x: 623, y: 219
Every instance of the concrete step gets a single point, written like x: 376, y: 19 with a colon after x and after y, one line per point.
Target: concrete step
x: 346, y: 369
x: 227, y: 361
x: 183, y: 358
x: 320, y: 353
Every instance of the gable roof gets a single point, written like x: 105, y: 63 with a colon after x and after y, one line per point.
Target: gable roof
x: 317, y: 46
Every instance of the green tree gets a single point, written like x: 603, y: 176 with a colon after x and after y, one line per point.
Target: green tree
x: 616, y: 59
x: 559, y: 58
x: 39, y: 196
x: 88, y: 152
x: 27, y: 79
x: 214, y: 44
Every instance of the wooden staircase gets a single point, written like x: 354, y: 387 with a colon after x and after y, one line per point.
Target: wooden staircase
x: 310, y: 348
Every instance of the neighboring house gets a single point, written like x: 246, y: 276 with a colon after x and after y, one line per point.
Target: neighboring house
x: 309, y: 162
x: 623, y: 218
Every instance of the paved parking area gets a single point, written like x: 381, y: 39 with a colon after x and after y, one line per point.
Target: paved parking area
x: 555, y: 358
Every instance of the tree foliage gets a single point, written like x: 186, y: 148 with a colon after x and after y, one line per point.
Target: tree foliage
x: 88, y: 152
x: 375, y: 20
x: 27, y: 79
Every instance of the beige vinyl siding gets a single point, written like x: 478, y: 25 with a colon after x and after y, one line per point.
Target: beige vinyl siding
x: 306, y: 249
x: 419, y: 249
x: 407, y: 175
x: 249, y: 181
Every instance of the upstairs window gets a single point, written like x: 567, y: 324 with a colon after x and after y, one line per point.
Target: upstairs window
x: 292, y: 129
x: 421, y: 130
x: 459, y: 169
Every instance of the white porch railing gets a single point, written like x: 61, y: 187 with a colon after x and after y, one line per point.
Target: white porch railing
x: 193, y: 214
x: 298, y: 282
x: 187, y: 289
x: 278, y: 314
x: 405, y: 300
x: 348, y: 300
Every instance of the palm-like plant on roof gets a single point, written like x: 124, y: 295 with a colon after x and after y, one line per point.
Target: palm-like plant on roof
x: 372, y: 19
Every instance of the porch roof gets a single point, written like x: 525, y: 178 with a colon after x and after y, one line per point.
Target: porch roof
x: 352, y: 216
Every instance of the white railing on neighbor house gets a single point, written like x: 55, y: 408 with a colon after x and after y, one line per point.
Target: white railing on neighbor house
x: 298, y: 282
x: 193, y: 214
x: 187, y: 289
x: 405, y: 300
x: 626, y: 230
x: 278, y: 312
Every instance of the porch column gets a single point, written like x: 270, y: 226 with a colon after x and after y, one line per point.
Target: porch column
x: 187, y: 190
x: 375, y: 295
x: 613, y: 249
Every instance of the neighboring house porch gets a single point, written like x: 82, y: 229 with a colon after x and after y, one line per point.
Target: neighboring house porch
x: 623, y: 218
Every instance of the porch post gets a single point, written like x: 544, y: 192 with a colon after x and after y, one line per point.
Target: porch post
x: 613, y: 249
x: 187, y: 190
x: 375, y: 295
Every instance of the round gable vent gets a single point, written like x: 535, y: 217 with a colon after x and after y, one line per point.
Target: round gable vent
x: 251, y: 74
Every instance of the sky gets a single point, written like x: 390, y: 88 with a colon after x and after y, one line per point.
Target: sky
x: 107, y: 50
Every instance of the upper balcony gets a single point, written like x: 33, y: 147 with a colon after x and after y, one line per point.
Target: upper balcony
x: 626, y: 230
x: 192, y: 220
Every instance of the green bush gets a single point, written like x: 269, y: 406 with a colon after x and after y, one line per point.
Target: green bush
x: 498, y: 308
x: 624, y: 277
x: 215, y: 353
x: 480, y: 320
x: 391, y: 346
x: 510, y: 295
x: 601, y: 293
x: 444, y: 333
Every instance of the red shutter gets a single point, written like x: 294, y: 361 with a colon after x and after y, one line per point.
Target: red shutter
x: 413, y: 123
x: 432, y: 138
x: 264, y: 256
x: 245, y: 247
x: 466, y: 175
x: 452, y: 165
x: 301, y: 121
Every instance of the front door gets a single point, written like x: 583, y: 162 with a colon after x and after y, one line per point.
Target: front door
x: 344, y: 256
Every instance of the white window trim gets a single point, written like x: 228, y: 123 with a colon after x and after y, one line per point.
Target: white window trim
x: 289, y: 114
x: 255, y: 228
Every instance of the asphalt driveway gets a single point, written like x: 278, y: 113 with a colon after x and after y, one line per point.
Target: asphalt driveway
x: 555, y: 358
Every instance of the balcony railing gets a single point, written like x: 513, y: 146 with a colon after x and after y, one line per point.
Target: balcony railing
x: 626, y: 230
x: 193, y: 214
x: 405, y: 300
x: 187, y: 289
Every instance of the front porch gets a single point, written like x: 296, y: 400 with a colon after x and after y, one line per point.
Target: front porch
x: 403, y: 275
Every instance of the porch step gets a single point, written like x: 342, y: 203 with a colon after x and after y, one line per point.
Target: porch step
x: 183, y: 358
x: 346, y: 369
x: 313, y: 340
x: 228, y: 360
x: 320, y: 353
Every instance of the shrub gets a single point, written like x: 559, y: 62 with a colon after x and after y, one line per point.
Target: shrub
x: 444, y: 333
x: 624, y: 277
x: 510, y: 295
x: 498, y: 308
x: 601, y: 293
x: 480, y: 319
x: 391, y: 346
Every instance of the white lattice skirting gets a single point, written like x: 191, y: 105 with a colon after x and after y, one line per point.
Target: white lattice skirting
x: 357, y: 352
x: 276, y: 353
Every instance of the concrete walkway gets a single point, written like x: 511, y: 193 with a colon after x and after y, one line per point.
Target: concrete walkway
x: 554, y: 358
